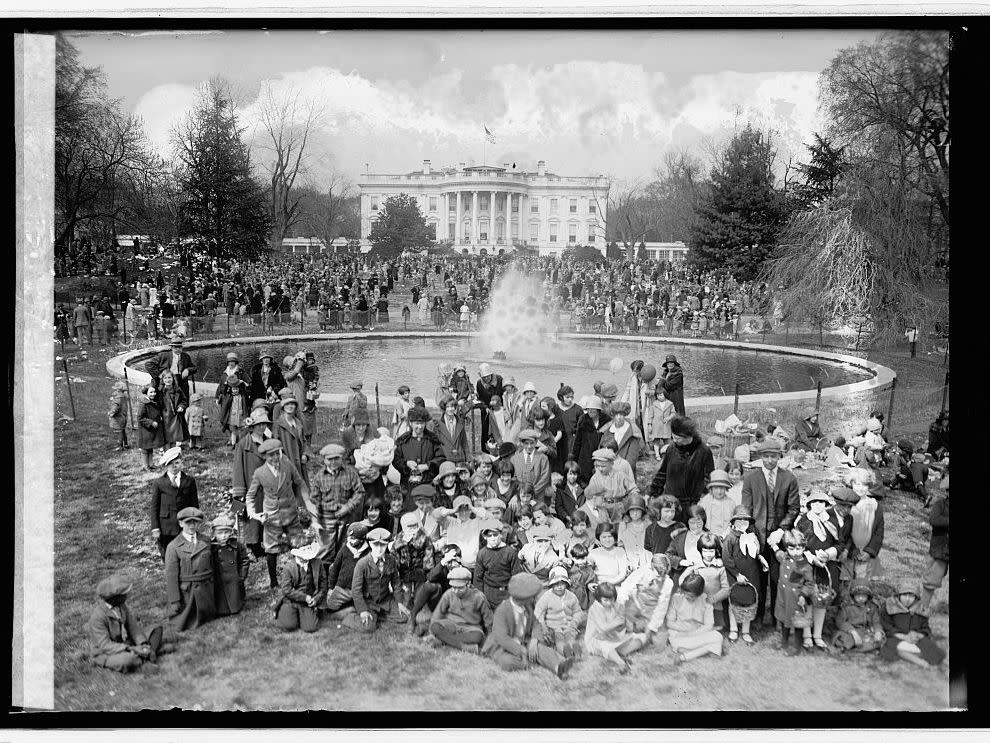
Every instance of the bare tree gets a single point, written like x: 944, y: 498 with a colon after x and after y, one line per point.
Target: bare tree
x: 327, y: 211
x: 630, y: 213
x: 287, y: 120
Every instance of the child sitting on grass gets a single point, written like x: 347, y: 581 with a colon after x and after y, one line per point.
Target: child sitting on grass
x: 649, y: 590
x: 429, y: 593
x: 691, y: 623
x: 907, y: 630
x: 116, y: 639
x: 560, y: 612
x: 495, y: 565
x: 462, y: 617
x: 607, y: 634
x: 857, y: 624
x: 713, y: 572
x: 581, y: 573
x: 303, y: 587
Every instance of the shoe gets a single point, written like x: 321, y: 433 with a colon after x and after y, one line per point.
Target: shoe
x: 820, y: 644
x: 748, y: 639
x: 733, y: 636
x: 808, y: 645
x: 769, y: 622
x: 432, y: 641
x: 475, y: 650
x: 565, y: 665
x: 679, y: 659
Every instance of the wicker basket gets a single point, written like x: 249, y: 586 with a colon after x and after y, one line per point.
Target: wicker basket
x: 743, y: 601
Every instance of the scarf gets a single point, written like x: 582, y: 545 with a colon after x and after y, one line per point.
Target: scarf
x: 749, y: 543
x: 821, y: 522
x: 863, y: 515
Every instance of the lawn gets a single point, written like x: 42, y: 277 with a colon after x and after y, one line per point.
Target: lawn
x: 245, y: 663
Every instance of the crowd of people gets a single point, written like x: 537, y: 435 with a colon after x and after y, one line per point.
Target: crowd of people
x: 539, y: 545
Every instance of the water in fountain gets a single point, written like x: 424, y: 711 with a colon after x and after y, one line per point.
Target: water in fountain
x: 518, y: 323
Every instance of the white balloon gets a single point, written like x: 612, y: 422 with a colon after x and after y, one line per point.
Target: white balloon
x: 615, y: 366
x: 592, y: 361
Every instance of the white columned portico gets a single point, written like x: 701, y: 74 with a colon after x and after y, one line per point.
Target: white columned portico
x: 474, y: 217
x: 458, y: 227
x: 492, y: 233
x: 444, y: 217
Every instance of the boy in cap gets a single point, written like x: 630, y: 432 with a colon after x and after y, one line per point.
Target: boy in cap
x: 230, y: 566
x: 117, y: 413
x: 356, y: 401
x: 115, y: 638
x: 428, y: 595
x: 304, y: 588
x: 195, y: 420
x: 560, y: 612
x: 189, y: 574
x: 514, y: 642
x: 170, y: 494
x: 340, y: 575
x: 614, y: 486
x: 463, y: 617
x: 496, y: 563
x: 533, y: 467
x: 337, y: 494
x: 414, y: 555
x: 375, y: 576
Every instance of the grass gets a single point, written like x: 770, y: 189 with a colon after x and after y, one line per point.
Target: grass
x: 245, y: 663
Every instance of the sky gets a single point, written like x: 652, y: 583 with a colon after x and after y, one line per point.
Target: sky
x: 586, y: 102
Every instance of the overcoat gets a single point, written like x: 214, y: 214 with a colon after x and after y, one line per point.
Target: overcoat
x: 189, y: 582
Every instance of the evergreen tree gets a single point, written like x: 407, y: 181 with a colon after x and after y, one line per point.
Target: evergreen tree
x: 742, y: 214
x: 223, y: 203
x: 613, y: 252
x: 641, y: 251
x: 820, y: 176
x: 400, y: 226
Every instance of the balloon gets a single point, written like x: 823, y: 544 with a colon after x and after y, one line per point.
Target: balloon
x: 648, y: 373
x: 592, y: 361
x: 615, y: 365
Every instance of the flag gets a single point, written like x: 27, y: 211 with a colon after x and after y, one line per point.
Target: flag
x: 489, y: 136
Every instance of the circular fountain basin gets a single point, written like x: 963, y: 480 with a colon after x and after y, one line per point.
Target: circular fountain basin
x: 765, y: 373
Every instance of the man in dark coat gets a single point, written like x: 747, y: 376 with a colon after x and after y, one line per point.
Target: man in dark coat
x: 418, y: 452
x: 772, y: 496
x: 489, y: 385
x: 170, y: 493
x: 177, y: 360
x: 685, y: 467
x: 672, y: 381
x: 189, y: 574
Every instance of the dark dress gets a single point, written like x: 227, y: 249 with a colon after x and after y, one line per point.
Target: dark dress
x: 230, y: 565
x: 174, y: 404
x: 150, y: 437
x: 587, y: 438
x: 259, y: 389
x: 673, y: 386
x: 226, y: 393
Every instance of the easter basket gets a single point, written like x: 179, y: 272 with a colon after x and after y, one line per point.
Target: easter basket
x: 801, y: 618
x: 743, y: 600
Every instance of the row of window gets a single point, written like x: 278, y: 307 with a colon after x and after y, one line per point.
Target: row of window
x: 534, y: 206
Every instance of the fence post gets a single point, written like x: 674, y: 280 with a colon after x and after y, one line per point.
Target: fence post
x: 68, y: 383
x: 130, y: 405
x: 890, y: 407
x: 735, y: 404
x: 945, y: 391
x: 378, y: 406
x: 228, y: 323
x: 818, y: 396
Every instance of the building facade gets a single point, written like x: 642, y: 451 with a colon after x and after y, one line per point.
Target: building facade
x: 670, y: 252
x: 484, y: 210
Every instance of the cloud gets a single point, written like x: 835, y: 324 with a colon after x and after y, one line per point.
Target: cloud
x: 580, y: 116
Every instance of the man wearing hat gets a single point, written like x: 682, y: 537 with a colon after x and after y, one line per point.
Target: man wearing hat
x: 672, y: 381
x: 355, y: 402
x: 609, y: 393
x: 266, y: 378
x: 338, y: 494
x: 170, y: 493
x: 418, y: 452
x: 116, y: 640
x: 533, y: 467
x: 177, y: 361
x: 303, y: 585
x: 245, y: 460
x: 771, y: 494
x: 189, y: 574
x: 514, y: 642
x: 614, y: 486
x: 489, y: 385
x: 289, y: 430
x: 357, y: 434
x: 282, y: 491
x: 462, y: 618
x: 375, y: 575
x: 340, y: 575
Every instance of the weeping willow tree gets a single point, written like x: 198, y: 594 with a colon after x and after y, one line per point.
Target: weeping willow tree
x: 859, y: 263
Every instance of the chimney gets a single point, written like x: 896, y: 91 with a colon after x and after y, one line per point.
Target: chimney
x: 505, y: 165
x: 426, y: 167
x: 541, y: 167
x: 460, y: 166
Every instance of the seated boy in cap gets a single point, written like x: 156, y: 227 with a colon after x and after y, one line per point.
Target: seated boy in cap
x: 463, y: 617
x: 304, y: 587
x: 230, y: 566
x: 340, y: 575
x: 559, y: 611
x: 414, y: 555
x: 372, y: 589
x: 496, y: 563
x: 115, y: 638
x: 514, y: 642
x: 539, y: 555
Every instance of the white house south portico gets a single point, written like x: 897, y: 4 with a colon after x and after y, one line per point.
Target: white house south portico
x: 484, y: 209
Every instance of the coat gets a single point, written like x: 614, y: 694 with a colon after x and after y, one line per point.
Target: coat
x: 426, y: 450
x: 174, y: 403
x: 630, y: 447
x: 939, y: 519
x: 683, y: 472
x: 226, y: 394
x: 292, y: 584
x: 566, y: 503
x: 293, y: 443
x: 259, y: 389
x: 587, y: 439
x: 106, y: 633
x: 230, y: 566
x: 194, y: 419
x: 280, y: 498
x: 189, y: 582
x: 536, y: 473
x: 894, y: 617
x: 163, y: 362
x: 244, y: 461
x: 503, y: 634
x: 150, y: 436
x: 672, y: 381
x: 492, y: 570
x: 771, y: 511
x: 455, y: 447
x: 167, y: 501
x: 796, y: 579
x: 371, y: 588
x: 117, y: 412
x: 830, y: 573
x: 657, y: 419
x: 737, y: 562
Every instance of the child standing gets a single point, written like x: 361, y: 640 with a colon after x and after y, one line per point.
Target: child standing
x: 230, y: 567
x: 117, y: 414
x: 866, y: 531
x: 559, y: 610
x: 607, y: 634
x: 151, y: 431
x: 717, y: 504
x: 743, y: 563
x: 691, y: 623
x: 658, y: 417
x: 195, y: 420
x: 858, y: 624
x: 795, y: 590
x: 357, y: 401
